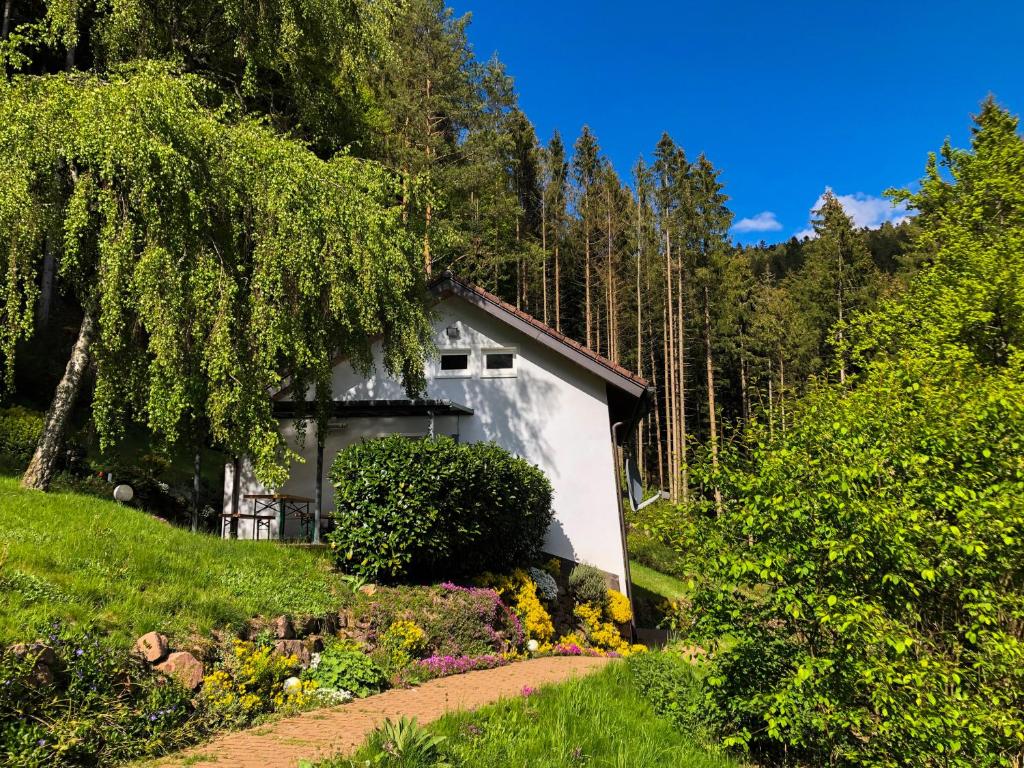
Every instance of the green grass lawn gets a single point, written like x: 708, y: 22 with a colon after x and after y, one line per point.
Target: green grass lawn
x: 597, y: 721
x: 656, y: 583
x: 75, y: 557
x: 651, y: 590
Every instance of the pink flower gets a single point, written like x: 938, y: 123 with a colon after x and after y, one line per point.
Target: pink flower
x: 528, y: 691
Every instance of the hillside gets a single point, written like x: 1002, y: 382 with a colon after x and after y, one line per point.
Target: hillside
x: 74, y: 557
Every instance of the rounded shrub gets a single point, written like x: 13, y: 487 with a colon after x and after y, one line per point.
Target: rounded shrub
x: 20, y: 429
x: 587, y: 585
x: 429, y: 509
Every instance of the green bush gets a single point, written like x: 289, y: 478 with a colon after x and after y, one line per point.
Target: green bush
x: 588, y: 585
x: 672, y: 686
x: 344, y: 667
x: 428, y: 509
x: 20, y: 429
x: 873, y: 592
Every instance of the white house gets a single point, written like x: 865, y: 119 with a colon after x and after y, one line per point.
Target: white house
x: 501, y: 376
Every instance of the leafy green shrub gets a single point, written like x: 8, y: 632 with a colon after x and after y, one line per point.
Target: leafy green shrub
x: 587, y: 585
x: 405, y: 744
x: 20, y: 429
x: 426, y: 509
x: 672, y: 686
x: 102, y: 707
x: 873, y: 594
x: 344, y: 667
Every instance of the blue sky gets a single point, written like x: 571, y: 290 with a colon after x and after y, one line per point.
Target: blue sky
x: 786, y: 97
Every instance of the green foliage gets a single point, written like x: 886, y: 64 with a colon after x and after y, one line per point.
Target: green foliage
x: 213, y: 252
x: 872, y: 589
x: 75, y: 557
x: 345, y: 667
x: 673, y: 687
x: 426, y: 509
x: 587, y: 585
x: 970, y: 231
x: 103, y: 707
x: 307, y: 62
x: 406, y: 744
x: 20, y: 429
x: 599, y: 720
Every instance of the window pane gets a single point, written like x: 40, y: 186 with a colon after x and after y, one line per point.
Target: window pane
x: 499, y: 361
x: 454, y: 362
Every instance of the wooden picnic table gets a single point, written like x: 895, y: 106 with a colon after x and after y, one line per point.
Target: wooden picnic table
x: 283, y: 506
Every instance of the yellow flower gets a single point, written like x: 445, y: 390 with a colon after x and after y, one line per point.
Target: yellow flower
x: 619, y: 610
x: 536, y: 620
x: 407, y: 635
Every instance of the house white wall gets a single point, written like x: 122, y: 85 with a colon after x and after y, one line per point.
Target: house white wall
x: 552, y: 412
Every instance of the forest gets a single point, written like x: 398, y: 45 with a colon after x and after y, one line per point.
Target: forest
x: 638, y: 266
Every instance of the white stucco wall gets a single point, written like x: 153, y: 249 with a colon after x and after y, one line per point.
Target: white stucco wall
x: 552, y: 412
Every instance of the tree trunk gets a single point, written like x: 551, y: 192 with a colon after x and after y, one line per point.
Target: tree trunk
x: 744, y: 392
x: 712, y: 416
x: 44, y: 460
x: 544, y: 254
x: 684, y: 469
x: 782, y: 392
x: 7, y: 20
x: 670, y: 375
x: 46, y: 288
x: 586, y: 283
x: 558, y: 293
x: 657, y: 423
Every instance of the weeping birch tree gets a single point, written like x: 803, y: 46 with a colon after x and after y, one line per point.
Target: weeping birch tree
x: 208, y: 254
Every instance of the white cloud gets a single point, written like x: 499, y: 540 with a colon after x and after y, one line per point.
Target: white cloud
x: 765, y: 221
x: 865, y: 210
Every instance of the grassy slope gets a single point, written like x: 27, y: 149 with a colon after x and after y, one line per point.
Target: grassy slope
x: 597, y: 721
x: 69, y: 556
x: 652, y: 581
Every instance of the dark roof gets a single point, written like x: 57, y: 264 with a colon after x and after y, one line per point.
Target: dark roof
x: 611, y: 372
x: 287, y: 409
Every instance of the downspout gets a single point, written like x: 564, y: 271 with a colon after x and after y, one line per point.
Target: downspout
x: 622, y: 527
x: 319, y: 502
x: 236, y: 488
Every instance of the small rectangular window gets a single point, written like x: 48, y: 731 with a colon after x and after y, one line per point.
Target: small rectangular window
x: 499, y: 362
x: 454, y: 362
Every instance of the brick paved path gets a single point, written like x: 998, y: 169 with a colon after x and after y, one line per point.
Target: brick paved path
x: 325, y: 732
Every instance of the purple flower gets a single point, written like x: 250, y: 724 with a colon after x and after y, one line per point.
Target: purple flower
x: 79, y: 652
x: 41, y: 743
x: 528, y: 690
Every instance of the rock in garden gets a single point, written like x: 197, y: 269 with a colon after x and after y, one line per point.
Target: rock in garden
x: 308, y: 625
x: 329, y: 623
x: 294, y: 648
x: 44, y: 662
x: 183, y: 667
x: 283, y: 629
x: 152, y: 646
